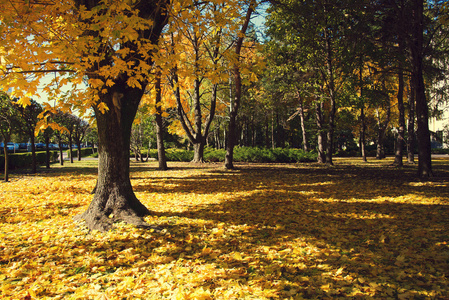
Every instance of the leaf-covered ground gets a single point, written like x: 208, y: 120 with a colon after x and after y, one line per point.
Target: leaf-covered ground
x: 296, y: 231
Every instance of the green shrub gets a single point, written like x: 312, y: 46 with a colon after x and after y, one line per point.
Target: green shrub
x: 173, y: 154
x: 214, y: 155
x: 84, y: 152
x: 440, y: 151
x: 25, y: 160
x: 279, y: 155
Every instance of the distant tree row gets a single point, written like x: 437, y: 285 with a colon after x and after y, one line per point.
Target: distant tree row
x: 21, y: 123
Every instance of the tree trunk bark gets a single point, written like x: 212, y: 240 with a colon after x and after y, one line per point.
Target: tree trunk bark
x: 33, y: 155
x: 382, y: 127
x: 411, y: 127
x: 362, y: 133
x: 114, y: 199
x: 305, y: 141
x: 229, y: 158
x: 422, y: 110
x: 61, y: 153
x: 78, y: 144
x: 362, y: 113
x: 198, y: 152
x: 5, y: 150
x: 160, y: 126
x: 380, y: 152
x: 332, y: 96
x: 321, y: 134
x: 70, y: 148
x: 401, y: 130
x: 273, y: 140
x: 47, y: 152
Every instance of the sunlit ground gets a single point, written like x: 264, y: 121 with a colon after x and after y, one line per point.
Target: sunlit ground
x: 264, y: 231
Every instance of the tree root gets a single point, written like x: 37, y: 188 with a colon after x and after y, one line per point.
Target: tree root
x: 101, y: 222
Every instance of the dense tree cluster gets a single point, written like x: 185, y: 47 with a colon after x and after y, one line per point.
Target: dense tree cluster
x: 370, y: 61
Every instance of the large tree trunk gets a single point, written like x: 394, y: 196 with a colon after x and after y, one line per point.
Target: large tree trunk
x: 114, y: 199
x: 422, y: 110
x: 198, y: 152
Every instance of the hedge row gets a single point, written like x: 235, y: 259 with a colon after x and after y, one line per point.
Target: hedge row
x: 84, y: 152
x: 241, y: 154
x: 25, y: 160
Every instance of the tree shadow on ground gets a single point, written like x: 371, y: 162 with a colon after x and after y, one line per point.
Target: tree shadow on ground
x: 374, y: 225
x: 302, y: 231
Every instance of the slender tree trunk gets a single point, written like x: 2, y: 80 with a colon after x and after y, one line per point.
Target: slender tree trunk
x: 231, y: 139
x: 61, y: 151
x: 5, y: 150
x: 47, y: 152
x: 160, y: 125
x: 273, y: 140
x: 305, y: 142
x: 362, y: 114
x: 422, y: 110
x: 401, y: 130
x: 411, y: 127
x: 33, y: 155
x: 267, y: 132
x: 229, y: 158
x: 382, y: 127
x: 78, y: 144
x: 70, y: 148
x: 362, y: 133
x: 332, y: 95
x: 321, y: 134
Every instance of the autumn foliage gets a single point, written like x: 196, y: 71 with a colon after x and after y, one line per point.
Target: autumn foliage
x: 277, y: 231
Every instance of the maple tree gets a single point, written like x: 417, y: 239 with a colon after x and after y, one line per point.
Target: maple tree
x: 109, y: 45
x: 197, y: 61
